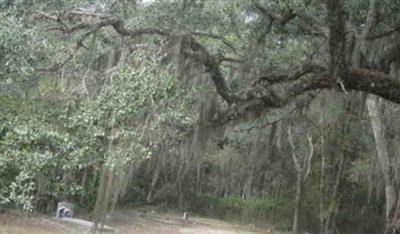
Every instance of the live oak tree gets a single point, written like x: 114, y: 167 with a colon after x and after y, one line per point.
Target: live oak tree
x: 257, y: 55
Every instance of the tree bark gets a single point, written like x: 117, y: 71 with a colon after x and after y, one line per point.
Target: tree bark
x: 100, y: 202
x: 303, y: 168
x: 329, y: 226
x: 321, y: 183
x: 298, y: 203
x: 374, y: 107
x: 154, y: 180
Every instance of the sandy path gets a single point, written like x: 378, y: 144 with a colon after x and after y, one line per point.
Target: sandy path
x: 126, y: 222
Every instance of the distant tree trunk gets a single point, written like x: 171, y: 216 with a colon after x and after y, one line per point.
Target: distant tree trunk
x: 227, y: 177
x: 321, y: 181
x: 374, y: 107
x: 42, y: 202
x: 107, y: 197
x: 105, y: 185
x: 375, y: 112
x: 329, y: 226
x: 249, y: 180
x: 198, y: 176
x: 103, y: 197
x: 83, y: 183
x: 322, y: 192
x: 99, y: 206
x: 247, y: 187
x: 370, y: 187
x: 179, y: 182
x: 154, y: 180
x: 298, y: 202
x: 303, y: 168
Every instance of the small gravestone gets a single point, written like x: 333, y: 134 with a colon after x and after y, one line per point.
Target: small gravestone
x: 65, y: 213
x: 65, y: 209
x: 185, y: 216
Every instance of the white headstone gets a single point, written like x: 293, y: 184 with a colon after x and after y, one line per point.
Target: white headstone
x: 65, y: 209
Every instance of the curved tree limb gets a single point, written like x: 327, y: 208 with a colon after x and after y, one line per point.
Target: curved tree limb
x: 274, y: 88
x: 215, y: 36
x: 195, y: 50
x: 275, y: 76
x: 304, y: 22
x: 364, y: 80
x: 384, y: 34
x: 282, y: 18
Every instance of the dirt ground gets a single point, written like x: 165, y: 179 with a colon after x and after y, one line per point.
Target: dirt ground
x: 127, y: 222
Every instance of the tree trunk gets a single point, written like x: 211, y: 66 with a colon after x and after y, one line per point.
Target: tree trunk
x: 297, y: 208
x: 100, y: 198
x: 198, y: 176
x: 247, y: 187
x: 156, y: 174
x: 107, y: 197
x: 375, y: 111
x: 329, y: 226
x: 83, y: 183
x: 321, y: 187
x: 303, y: 168
x: 179, y: 183
x: 321, y: 181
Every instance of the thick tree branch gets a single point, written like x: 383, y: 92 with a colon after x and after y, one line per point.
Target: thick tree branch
x: 384, y: 34
x: 44, y: 15
x: 102, y: 20
x: 337, y: 37
x: 119, y: 26
x: 274, y: 88
x: 90, y: 14
x: 195, y: 50
x: 305, y: 23
x: 388, y: 56
x: 364, y: 80
x: 283, y: 18
x: 231, y: 59
x: 374, y: 82
x: 215, y: 36
x: 274, y: 76
x: 261, y: 97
